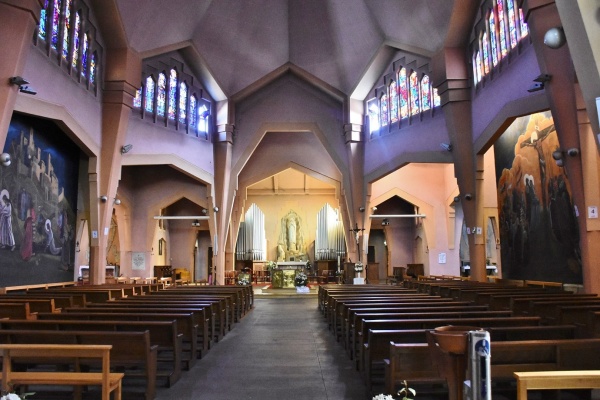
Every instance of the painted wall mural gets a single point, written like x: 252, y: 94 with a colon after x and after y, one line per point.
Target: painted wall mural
x: 538, y: 227
x: 37, y: 204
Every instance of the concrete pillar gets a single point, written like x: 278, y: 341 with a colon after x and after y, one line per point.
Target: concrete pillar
x: 355, y: 146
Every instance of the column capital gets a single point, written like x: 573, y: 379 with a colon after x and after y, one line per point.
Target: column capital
x: 354, y: 133
x: 224, y: 133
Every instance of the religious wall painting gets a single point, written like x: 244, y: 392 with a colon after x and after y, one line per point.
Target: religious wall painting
x: 538, y: 226
x: 37, y: 203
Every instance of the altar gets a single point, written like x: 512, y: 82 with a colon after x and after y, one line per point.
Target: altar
x: 284, y: 274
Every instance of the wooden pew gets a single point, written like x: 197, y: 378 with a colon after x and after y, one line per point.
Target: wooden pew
x: 522, y: 305
x: 514, y: 301
x: 550, y: 310
x: 552, y: 380
x: 60, y: 300
x: 16, y: 311
x: 110, y: 382
x: 35, y: 305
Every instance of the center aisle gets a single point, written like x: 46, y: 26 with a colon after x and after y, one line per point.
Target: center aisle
x: 280, y: 350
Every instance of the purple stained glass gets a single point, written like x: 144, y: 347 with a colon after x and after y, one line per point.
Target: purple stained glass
x: 93, y: 71
x: 512, y: 24
x: 42, y: 27
x: 67, y: 30
x: 161, y: 94
x: 84, y: 54
x: 414, y: 93
x: 193, y: 111
x: 383, y: 107
x: 182, y: 102
x: 393, y: 96
x: 425, y: 93
x: 486, y: 54
x: 75, y: 57
x: 373, y: 112
x: 493, y: 38
x: 403, y: 92
x: 55, y: 23
x: 172, y: 94
x: 137, y: 100
x: 524, y: 27
x: 502, y: 28
x: 437, y: 101
x: 149, y: 101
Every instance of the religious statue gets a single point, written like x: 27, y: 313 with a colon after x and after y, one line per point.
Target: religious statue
x: 291, y: 233
x: 291, y: 239
x: 280, y: 253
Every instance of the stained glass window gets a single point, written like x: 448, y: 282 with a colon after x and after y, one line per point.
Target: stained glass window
x: 403, y: 92
x: 172, y: 93
x: 493, y: 38
x: 425, y: 93
x: 414, y: 93
x: 193, y: 111
x: 42, y: 27
x: 161, y: 94
x: 478, y: 66
x: 393, y: 95
x: 373, y: 112
x: 55, y: 23
x: 384, y: 110
x: 182, y: 102
x: 524, y: 28
x: 93, y: 70
x: 77, y: 27
x: 84, y: 54
x: 437, y: 101
x: 486, y: 54
x: 137, y: 100
x: 512, y: 25
x: 502, y: 28
x: 149, y: 101
x: 203, y: 118
x: 67, y: 29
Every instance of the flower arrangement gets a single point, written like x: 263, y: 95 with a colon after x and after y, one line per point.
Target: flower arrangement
x: 14, y: 396
x: 405, y: 392
x: 301, y: 279
x: 358, y: 267
x: 242, y: 281
x: 270, y: 265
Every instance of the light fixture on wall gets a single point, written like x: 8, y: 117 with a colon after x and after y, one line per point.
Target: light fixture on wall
x: 204, y: 211
x: 196, y: 223
x: 385, y: 222
x: 5, y: 159
x: 21, y: 82
x: 361, y: 209
x: 117, y: 202
x: 539, y: 83
x: 216, y: 209
x: 446, y: 146
x: 125, y: 149
x: 555, y: 37
x: 104, y: 199
x: 559, y: 155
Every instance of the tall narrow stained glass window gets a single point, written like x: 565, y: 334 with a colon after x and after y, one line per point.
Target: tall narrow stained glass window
x: 161, y: 94
x: 393, y: 95
x: 172, y: 93
x: 486, y: 54
x: 493, y: 38
x: 42, y: 30
x: 84, y: 54
x: 524, y: 27
x: 425, y: 93
x: 203, y: 114
x: 414, y: 93
x: 182, y: 102
x: 137, y: 100
x: 478, y: 66
x: 502, y: 28
x: 55, y: 23
x: 512, y: 24
x: 193, y: 111
x: 93, y: 70
x: 384, y: 110
x: 75, y: 57
x: 67, y: 29
x: 403, y: 93
x: 437, y: 101
x: 149, y: 98
x: 373, y: 112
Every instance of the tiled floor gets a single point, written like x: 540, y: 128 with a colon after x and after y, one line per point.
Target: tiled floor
x: 280, y: 350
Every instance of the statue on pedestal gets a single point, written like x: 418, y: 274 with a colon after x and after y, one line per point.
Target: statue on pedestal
x: 291, y: 240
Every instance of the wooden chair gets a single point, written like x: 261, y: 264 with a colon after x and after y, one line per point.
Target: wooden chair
x: 230, y: 277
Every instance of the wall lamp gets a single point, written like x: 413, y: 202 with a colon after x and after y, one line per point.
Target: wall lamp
x: 5, y: 159
x: 196, y: 223
x: 125, y: 149
x: 103, y: 199
x: 216, y: 209
x: 117, y: 202
x: 21, y: 82
x: 361, y: 209
x: 555, y: 37
x: 204, y: 211
x: 539, y: 83
x: 558, y: 155
x: 446, y: 146
x: 385, y: 222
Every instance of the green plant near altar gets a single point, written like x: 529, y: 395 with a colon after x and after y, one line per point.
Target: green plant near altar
x: 301, y: 279
x: 270, y: 265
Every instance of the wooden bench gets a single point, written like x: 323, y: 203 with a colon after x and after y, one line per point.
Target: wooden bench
x: 110, y: 382
x: 16, y: 311
x: 553, y: 380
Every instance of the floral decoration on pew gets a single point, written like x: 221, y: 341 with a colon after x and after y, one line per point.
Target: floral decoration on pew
x: 14, y: 396
x: 301, y: 279
x: 405, y: 392
x: 242, y: 281
x: 358, y: 267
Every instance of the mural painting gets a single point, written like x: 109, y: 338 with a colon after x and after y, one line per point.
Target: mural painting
x: 37, y: 204
x: 536, y: 212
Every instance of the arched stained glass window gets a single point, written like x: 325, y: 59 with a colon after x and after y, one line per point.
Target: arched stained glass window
x: 203, y: 114
x: 55, y: 23
x: 384, y: 110
x: 502, y: 28
x: 182, y: 102
x: 437, y: 101
x: 373, y: 112
x: 75, y: 57
x: 479, y: 66
x: 137, y: 100
x: 512, y: 24
x: 425, y: 93
x: 193, y: 111
x: 393, y: 95
x: 149, y: 100
x: 493, y: 37
x: 486, y: 54
x: 84, y: 54
x: 42, y: 27
x: 474, y: 63
x: 172, y: 93
x: 93, y: 70
x: 161, y: 94
x: 414, y: 93
x: 524, y: 27
x: 403, y: 93
x: 67, y: 29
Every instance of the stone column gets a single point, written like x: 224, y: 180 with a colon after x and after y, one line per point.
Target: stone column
x: 355, y: 146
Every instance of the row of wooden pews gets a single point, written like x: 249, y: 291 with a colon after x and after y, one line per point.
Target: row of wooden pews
x: 156, y: 333
x: 384, y: 329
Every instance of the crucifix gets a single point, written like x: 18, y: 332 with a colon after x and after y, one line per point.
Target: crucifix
x: 356, y: 232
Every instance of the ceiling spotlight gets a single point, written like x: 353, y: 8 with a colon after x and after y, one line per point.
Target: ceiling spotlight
x: 385, y: 222
x: 446, y: 146
x: 555, y: 37
x: 361, y: 209
x: 374, y: 208
x: 103, y: 199
x: 18, y: 81
x: 539, y: 83
x: 117, y: 202
x: 196, y: 223
x: 216, y: 209
x: 5, y: 159
x: 126, y: 148
x: 573, y: 152
x: 204, y: 211
x: 457, y: 199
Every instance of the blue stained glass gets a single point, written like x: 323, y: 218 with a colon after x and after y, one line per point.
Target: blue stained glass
x: 493, y: 38
x: 93, y: 71
x: 84, y: 54
x: 55, y: 23
x: 524, y: 27
x: 437, y: 101
x: 42, y: 27
x: 403, y: 92
x: 486, y: 54
x: 76, y: 40
x: 502, y: 28
x: 414, y: 93
x: 149, y: 103
x: 172, y: 94
x: 512, y: 25
x: 373, y: 112
x: 193, y: 111
x: 67, y: 30
x: 383, y: 107
x: 425, y: 93
x: 137, y: 100
x: 161, y: 94
x: 182, y: 102
x: 393, y: 95
x: 203, y: 119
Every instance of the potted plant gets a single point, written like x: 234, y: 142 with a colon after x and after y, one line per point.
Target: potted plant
x: 300, y: 281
